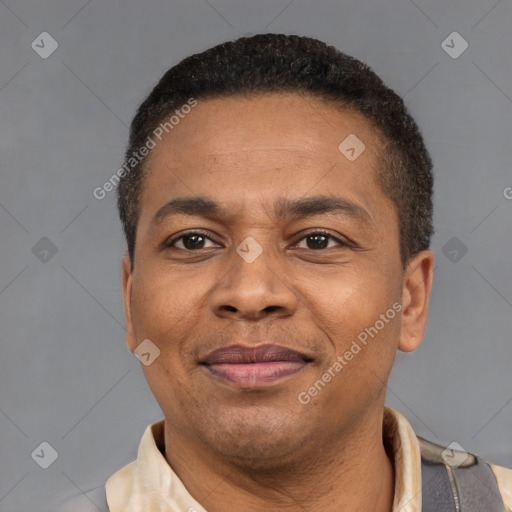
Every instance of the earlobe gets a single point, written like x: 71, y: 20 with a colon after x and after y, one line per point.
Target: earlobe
x: 416, y: 290
x: 127, y: 278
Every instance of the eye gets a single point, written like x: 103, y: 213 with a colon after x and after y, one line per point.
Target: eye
x: 320, y: 240
x: 189, y: 241
x: 197, y: 239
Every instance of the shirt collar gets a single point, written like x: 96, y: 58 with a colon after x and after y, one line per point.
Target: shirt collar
x: 151, y: 485
x: 399, y: 434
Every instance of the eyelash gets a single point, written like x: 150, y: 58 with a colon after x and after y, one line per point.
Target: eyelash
x: 169, y: 243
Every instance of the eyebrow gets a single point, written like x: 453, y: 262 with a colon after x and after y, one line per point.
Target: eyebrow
x: 292, y: 209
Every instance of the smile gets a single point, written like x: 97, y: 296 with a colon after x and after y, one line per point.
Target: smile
x: 254, y: 367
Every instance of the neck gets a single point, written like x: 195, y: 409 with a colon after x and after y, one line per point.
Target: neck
x: 353, y: 474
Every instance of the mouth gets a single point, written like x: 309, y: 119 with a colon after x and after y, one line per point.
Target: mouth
x: 254, y: 367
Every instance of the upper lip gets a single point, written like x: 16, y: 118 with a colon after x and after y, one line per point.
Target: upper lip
x: 240, y: 354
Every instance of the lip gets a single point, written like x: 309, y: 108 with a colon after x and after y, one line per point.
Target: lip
x: 256, y: 366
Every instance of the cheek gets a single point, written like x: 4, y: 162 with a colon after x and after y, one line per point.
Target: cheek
x: 166, y: 312
x: 355, y: 311
x: 347, y: 302
x: 164, y: 305
x: 364, y: 347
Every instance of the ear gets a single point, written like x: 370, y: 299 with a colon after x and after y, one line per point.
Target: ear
x: 417, y: 284
x: 127, y: 301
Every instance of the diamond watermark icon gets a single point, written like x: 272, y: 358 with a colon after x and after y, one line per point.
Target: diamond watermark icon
x: 249, y: 249
x: 454, y: 249
x: 454, y: 455
x: 45, y: 455
x: 454, y: 45
x: 146, y: 352
x: 44, y: 250
x: 351, y: 147
x: 44, y: 45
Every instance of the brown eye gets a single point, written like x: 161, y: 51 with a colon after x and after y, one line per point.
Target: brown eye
x: 317, y: 241
x: 193, y: 241
x: 190, y: 241
x: 320, y: 240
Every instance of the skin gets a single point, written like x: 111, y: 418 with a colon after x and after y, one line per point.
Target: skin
x: 261, y: 447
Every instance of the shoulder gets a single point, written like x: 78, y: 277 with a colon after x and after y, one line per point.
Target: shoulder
x: 504, y: 478
x: 469, y: 473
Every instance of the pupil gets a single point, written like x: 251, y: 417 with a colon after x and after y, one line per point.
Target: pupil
x: 316, y: 238
x: 193, y: 241
x: 192, y: 245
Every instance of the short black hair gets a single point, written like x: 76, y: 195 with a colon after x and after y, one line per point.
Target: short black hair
x: 266, y: 63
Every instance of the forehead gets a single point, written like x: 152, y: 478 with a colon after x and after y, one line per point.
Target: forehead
x: 265, y: 147
x: 286, y: 125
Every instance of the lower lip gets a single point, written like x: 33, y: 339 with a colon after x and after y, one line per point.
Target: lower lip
x: 252, y: 375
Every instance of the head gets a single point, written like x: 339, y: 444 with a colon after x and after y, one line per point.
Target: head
x: 251, y: 219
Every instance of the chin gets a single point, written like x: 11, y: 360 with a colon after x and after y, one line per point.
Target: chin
x: 256, y: 440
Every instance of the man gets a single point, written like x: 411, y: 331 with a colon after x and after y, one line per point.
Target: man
x: 277, y: 205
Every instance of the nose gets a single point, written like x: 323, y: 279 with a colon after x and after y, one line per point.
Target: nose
x: 253, y: 290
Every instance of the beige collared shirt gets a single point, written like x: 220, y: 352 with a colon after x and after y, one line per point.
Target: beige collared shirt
x: 148, y: 484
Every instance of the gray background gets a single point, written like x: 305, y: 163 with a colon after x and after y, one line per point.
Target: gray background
x: 67, y: 377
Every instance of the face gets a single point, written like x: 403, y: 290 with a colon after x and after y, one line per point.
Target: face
x: 263, y: 253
